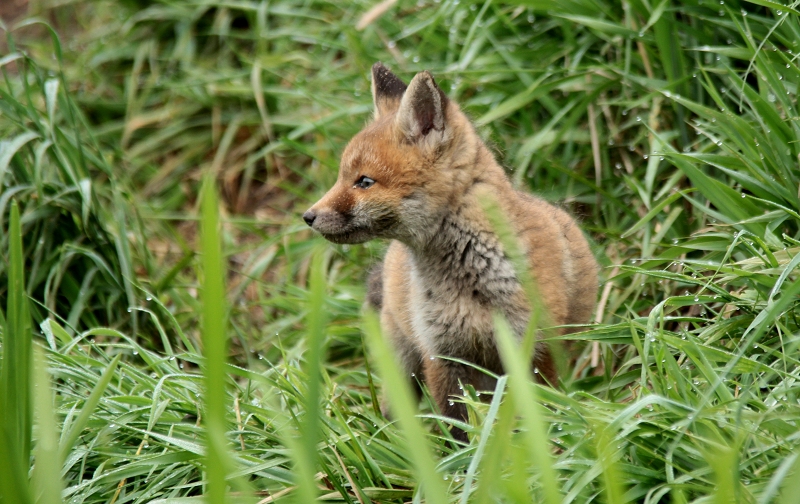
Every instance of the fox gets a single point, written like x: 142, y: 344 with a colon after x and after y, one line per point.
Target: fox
x: 416, y: 175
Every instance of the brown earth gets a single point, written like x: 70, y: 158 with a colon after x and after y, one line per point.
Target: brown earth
x: 10, y: 10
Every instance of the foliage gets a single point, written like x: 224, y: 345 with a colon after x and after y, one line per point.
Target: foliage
x: 671, y: 129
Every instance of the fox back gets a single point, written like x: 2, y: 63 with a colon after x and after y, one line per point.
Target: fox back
x: 417, y: 175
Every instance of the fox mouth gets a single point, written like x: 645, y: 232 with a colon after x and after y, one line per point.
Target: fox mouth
x: 349, y: 237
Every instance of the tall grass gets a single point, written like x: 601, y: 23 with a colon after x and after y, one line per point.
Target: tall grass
x: 669, y: 129
x: 16, y: 415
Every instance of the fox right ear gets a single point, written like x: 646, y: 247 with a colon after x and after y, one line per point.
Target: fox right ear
x: 387, y: 90
x: 423, y: 108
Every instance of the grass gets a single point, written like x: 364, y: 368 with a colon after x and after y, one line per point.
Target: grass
x: 670, y: 129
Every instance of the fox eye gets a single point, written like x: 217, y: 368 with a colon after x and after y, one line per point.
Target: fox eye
x: 364, y: 182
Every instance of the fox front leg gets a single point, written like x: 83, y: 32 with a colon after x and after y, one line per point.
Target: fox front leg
x: 444, y: 379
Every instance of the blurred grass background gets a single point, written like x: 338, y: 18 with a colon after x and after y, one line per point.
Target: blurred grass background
x: 670, y: 129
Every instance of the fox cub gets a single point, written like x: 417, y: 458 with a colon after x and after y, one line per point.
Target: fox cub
x: 416, y: 175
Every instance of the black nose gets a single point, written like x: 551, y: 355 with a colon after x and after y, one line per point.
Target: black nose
x: 309, y: 217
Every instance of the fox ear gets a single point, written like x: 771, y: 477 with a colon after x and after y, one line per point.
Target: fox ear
x: 387, y: 90
x: 423, y: 107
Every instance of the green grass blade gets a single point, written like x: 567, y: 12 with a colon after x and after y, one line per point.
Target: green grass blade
x: 15, y: 375
x: 215, y: 347
x: 46, y: 483
x: 70, y: 437
x: 608, y: 457
x: 724, y: 463
x: 307, y: 459
x: 790, y: 490
x: 403, y: 408
x: 486, y: 432
x: 524, y: 396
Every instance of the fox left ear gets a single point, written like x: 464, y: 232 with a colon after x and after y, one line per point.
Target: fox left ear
x: 387, y: 90
x: 423, y: 108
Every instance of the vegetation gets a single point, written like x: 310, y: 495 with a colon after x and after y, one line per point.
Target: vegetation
x: 671, y: 129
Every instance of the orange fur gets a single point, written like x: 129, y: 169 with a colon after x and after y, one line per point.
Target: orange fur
x: 416, y: 175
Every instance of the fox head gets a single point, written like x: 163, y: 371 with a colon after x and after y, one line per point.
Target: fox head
x: 399, y: 173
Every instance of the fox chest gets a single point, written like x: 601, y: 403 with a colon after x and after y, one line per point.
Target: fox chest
x: 452, y: 311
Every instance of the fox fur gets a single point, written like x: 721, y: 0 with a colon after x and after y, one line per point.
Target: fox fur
x: 416, y: 175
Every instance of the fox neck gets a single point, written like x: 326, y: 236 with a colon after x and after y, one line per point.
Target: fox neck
x: 461, y: 253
